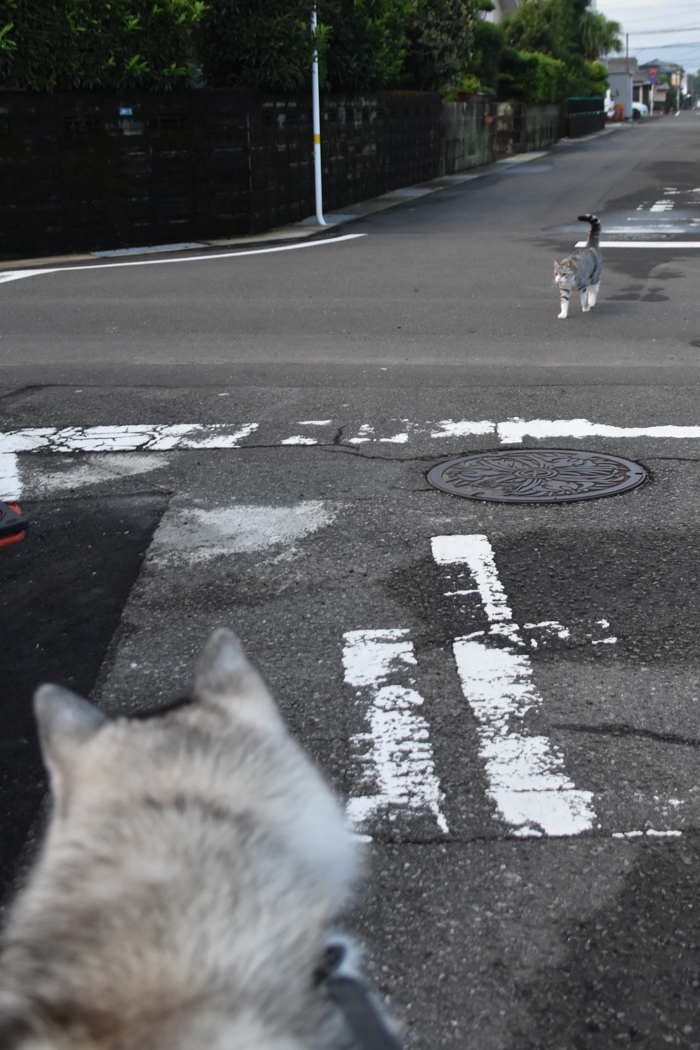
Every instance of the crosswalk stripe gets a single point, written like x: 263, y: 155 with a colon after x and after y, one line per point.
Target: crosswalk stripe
x: 524, y: 773
x: 396, y: 755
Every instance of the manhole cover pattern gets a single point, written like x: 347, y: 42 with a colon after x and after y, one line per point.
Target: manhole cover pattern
x: 537, y: 476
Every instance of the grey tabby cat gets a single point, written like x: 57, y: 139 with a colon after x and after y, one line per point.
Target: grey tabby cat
x: 581, y: 270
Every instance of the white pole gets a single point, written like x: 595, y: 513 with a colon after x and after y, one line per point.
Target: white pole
x: 317, y: 130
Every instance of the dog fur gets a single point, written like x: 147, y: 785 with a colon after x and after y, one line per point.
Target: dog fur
x: 191, y: 868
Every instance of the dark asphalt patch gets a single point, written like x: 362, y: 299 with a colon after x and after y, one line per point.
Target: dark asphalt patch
x: 459, y: 936
x: 63, y: 588
x: 643, y: 582
x: 629, y: 974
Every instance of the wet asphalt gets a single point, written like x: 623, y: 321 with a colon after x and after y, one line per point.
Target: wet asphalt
x: 444, y: 310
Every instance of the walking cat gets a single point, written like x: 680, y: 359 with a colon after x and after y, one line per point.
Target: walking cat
x: 193, y: 862
x: 581, y: 270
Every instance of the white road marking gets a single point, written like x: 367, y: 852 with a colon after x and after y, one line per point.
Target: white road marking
x: 513, y: 431
x: 10, y: 483
x: 92, y: 470
x: 462, y: 428
x: 365, y: 433
x: 644, y: 244
x: 130, y: 438
x: 651, y: 832
x: 476, y: 552
x: 396, y: 753
x: 195, y: 534
x: 16, y: 275
x: 182, y: 436
x: 551, y: 625
x: 525, y: 773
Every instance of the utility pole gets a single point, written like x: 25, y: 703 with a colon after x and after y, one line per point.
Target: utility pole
x: 318, y: 178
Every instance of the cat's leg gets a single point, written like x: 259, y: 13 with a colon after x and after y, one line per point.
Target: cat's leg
x: 584, y: 300
x: 593, y: 293
x: 564, y: 295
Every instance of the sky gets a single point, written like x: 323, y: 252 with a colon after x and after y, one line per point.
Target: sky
x: 671, y: 29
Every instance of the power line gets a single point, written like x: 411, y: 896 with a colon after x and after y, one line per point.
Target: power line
x: 655, y: 32
x: 664, y: 47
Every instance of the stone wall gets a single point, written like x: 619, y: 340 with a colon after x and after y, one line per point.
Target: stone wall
x: 527, y: 126
x: 468, y: 135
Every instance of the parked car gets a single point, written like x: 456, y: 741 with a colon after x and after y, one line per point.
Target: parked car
x: 640, y: 108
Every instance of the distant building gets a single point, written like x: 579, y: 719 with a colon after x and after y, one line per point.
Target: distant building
x: 641, y: 86
x: 652, y: 70
x: 503, y: 7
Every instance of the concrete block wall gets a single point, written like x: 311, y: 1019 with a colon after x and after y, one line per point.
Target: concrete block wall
x: 91, y: 171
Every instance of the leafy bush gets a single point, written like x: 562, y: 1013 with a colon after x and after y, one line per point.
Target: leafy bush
x: 489, y: 41
x: 568, y: 31
x: 267, y: 44
x: 470, y: 83
x: 256, y: 43
x: 544, y: 79
x: 366, y: 45
x: 440, y: 43
x: 47, y: 44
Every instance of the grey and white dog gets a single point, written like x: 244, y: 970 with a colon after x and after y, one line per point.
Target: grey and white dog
x: 192, y: 865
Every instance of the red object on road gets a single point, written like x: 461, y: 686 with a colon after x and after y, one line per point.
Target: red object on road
x: 13, y: 527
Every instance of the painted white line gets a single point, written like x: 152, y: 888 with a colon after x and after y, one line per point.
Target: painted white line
x: 396, y: 753
x: 525, y: 774
x: 651, y: 832
x: 513, y: 431
x: 160, y: 438
x: 644, y: 244
x: 365, y: 433
x: 182, y: 436
x: 476, y: 552
x: 128, y: 438
x: 550, y: 625
x: 450, y: 428
x: 10, y: 483
x: 16, y: 275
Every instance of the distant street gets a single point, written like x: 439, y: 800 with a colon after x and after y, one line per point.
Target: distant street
x: 508, y: 696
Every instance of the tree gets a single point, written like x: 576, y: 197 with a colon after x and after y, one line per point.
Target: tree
x: 267, y: 44
x: 47, y: 44
x: 568, y: 31
x: 599, y: 35
x: 489, y: 42
x: 366, y: 43
x: 256, y: 43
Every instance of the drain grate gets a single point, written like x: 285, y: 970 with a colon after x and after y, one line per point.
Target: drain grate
x: 537, y: 476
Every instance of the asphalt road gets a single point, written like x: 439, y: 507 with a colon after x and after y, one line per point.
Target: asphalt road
x: 516, y: 724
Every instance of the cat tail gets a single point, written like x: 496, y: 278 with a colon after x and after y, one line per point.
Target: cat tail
x: 594, y: 232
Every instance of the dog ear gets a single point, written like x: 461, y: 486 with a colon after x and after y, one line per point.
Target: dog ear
x: 15, y: 1031
x: 65, y: 723
x: 226, y: 678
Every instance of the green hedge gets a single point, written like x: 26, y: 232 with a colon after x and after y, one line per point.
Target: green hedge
x: 544, y: 79
x: 47, y: 44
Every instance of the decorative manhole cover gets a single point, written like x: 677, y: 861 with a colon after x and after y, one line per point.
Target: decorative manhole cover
x: 537, y: 476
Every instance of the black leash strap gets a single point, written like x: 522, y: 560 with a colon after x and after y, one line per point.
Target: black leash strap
x: 364, y: 1019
